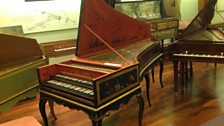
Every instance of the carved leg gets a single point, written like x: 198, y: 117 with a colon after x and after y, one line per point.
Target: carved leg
x: 42, y: 103
x: 153, y: 78
x: 147, y: 80
x: 182, y: 76
x: 97, y: 123
x: 172, y: 39
x: 162, y: 45
x: 186, y: 70
x: 175, y: 67
x: 141, y: 108
x: 191, y: 70
x: 51, y: 104
x: 186, y: 74
x: 161, y: 73
x: 96, y: 119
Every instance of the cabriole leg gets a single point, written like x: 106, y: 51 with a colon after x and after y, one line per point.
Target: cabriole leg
x: 42, y: 103
x: 141, y: 108
x: 147, y: 80
x: 161, y: 73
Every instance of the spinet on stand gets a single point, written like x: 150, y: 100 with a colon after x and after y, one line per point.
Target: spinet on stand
x: 113, y: 53
x: 19, y: 59
x: 197, y: 43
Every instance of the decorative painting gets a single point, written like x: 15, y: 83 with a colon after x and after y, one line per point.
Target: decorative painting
x: 143, y: 10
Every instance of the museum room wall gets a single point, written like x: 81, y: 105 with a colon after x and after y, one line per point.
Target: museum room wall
x: 59, y: 32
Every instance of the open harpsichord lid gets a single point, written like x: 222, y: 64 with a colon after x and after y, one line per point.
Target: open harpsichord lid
x: 201, y: 21
x: 102, y: 29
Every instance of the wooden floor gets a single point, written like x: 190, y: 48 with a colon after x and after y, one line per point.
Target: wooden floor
x: 202, y: 101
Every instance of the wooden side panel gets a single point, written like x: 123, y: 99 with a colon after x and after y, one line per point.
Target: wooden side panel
x: 58, y: 48
x: 46, y: 71
x: 16, y: 50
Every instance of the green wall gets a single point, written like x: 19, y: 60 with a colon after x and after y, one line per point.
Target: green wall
x: 58, y: 35
x: 45, y: 21
x: 188, y: 9
x: 218, y: 17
